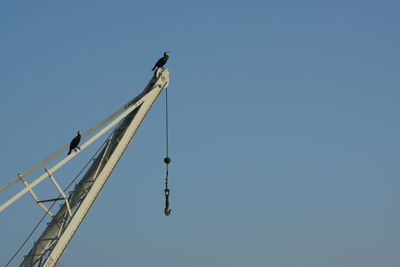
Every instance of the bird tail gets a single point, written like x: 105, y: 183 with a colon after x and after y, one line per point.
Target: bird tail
x: 69, y: 151
x: 153, y: 68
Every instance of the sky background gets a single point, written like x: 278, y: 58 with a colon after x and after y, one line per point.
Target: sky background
x: 284, y: 129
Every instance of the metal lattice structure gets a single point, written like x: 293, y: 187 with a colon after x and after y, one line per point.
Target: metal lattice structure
x: 48, y: 248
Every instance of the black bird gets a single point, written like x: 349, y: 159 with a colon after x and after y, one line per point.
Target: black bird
x: 161, y: 62
x: 74, y: 143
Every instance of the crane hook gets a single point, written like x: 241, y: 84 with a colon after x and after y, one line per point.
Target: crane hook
x: 167, y: 210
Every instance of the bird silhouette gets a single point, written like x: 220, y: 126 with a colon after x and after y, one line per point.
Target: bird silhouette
x: 161, y: 62
x: 74, y: 143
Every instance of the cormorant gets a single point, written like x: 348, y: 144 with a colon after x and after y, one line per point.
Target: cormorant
x: 161, y: 62
x: 74, y: 143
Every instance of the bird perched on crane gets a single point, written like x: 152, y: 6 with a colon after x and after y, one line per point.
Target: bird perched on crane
x: 74, y: 143
x: 161, y: 62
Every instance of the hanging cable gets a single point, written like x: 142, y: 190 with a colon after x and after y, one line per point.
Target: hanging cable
x: 167, y: 159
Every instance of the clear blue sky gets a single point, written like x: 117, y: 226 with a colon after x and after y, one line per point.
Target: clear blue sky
x: 284, y: 128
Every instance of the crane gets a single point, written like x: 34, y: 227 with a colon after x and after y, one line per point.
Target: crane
x: 50, y: 245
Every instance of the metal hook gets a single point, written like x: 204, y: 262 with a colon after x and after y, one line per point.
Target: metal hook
x: 167, y: 210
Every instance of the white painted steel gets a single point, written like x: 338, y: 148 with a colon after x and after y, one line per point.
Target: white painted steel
x: 69, y: 157
x: 53, y: 241
x: 60, y: 191
x: 35, y: 196
x: 66, y: 147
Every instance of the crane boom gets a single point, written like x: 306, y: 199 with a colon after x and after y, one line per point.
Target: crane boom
x: 52, y: 242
